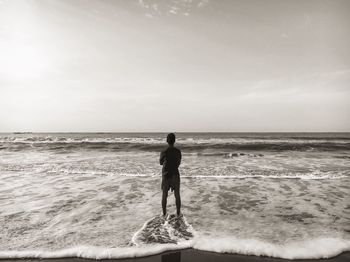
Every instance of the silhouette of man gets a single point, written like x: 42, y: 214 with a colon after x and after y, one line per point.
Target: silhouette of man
x: 170, y: 158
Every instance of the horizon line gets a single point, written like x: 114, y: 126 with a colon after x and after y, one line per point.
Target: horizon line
x: 159, y: 132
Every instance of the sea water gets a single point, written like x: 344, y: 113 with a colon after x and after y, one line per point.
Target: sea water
x: 91, y: 195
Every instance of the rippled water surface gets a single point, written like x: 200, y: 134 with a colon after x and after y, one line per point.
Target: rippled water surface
x: 64, y: 190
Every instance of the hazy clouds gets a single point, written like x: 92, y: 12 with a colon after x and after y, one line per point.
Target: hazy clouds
x: 174, y: 65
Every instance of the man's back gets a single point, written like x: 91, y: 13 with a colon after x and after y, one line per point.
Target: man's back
x: 170, y: 158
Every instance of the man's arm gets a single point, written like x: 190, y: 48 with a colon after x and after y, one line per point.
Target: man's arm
x: 162, y: 157
x: 179, y: 159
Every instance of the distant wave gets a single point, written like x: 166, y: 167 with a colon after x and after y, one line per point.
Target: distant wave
x: 314, y: 175
x: 16, y: 146
x: 306, y: 176
x: 196, y: 139
x: 307, y: 249
x: 229, y: 146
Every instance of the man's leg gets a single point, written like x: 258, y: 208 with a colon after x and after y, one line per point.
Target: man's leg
x: 177, y: 200
x: 164, y: 198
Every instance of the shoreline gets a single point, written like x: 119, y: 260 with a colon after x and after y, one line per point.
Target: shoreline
x: 187, y: 255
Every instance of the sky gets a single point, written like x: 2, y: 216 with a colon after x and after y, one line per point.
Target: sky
x: 174, y: 65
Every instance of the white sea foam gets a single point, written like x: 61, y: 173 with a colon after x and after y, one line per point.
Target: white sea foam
x: 159, y: 229
x: 315, y: 176
x: 94, y: 252
x: 307, y: 249
x: 160, y: 140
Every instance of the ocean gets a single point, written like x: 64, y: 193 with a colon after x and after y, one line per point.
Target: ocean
x: 97, y: 195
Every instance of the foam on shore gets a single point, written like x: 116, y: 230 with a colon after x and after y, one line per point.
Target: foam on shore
x: 308, y: 249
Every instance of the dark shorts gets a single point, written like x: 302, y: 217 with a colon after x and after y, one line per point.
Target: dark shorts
x: 172, y: 183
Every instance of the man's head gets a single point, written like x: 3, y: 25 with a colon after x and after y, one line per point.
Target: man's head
x: 170, y: 138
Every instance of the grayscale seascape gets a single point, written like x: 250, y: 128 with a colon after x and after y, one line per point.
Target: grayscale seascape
x: 175, y: 130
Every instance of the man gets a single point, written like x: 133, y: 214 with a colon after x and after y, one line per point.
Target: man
x: 170, y: 158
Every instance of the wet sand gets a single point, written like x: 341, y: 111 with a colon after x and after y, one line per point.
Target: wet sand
x: 190, y: 255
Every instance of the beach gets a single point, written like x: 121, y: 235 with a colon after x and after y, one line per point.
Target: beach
x: 97, y: 196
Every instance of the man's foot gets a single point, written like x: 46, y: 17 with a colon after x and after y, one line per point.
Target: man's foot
x: 179, y: 214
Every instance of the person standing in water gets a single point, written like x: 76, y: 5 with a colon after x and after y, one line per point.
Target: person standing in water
x: 170, y: 159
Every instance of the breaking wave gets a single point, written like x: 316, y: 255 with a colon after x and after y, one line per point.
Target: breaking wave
x: 307, y: 249
x: 16, y: 143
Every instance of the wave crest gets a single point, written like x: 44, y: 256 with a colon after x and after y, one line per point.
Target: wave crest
x: 229, y: 149
x: 308, y: 249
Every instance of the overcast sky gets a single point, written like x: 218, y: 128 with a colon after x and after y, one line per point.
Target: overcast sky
x: 166, y: 65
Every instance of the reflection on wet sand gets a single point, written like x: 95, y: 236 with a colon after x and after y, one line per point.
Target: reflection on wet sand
x: 172, y: 257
